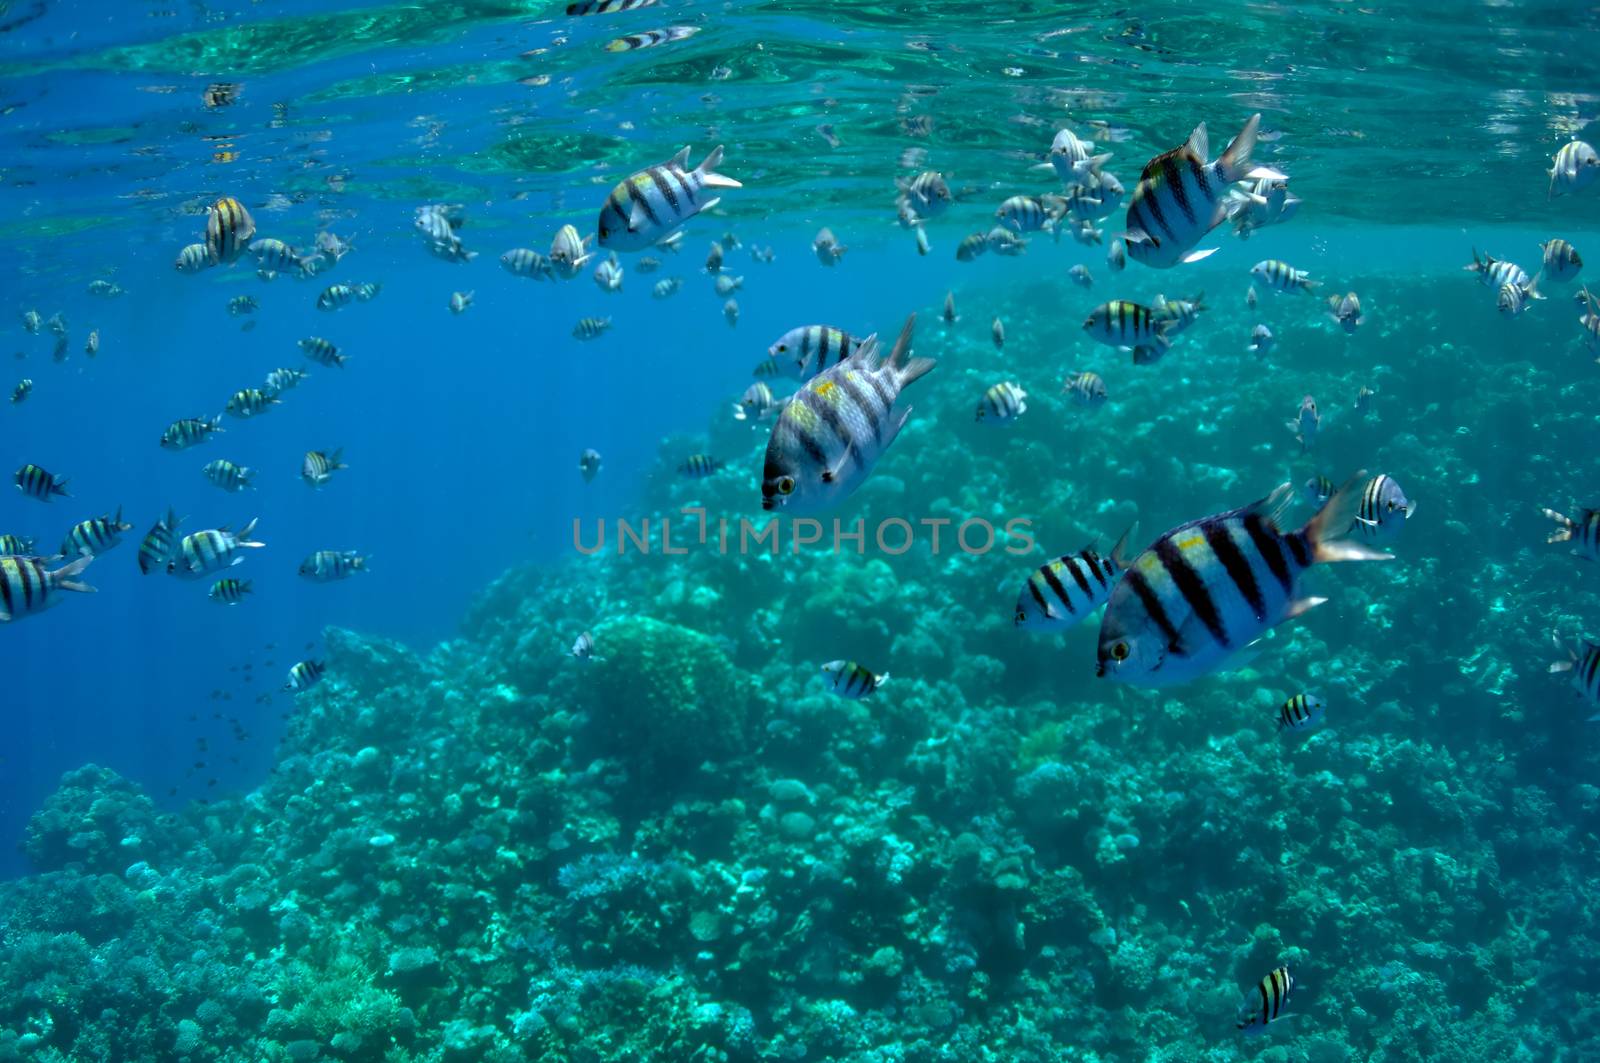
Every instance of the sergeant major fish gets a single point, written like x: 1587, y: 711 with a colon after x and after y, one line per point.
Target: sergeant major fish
x: 658, y: 199
x: 189, y: 432
x: 156, y: 550
x: 651, y: 38
x: 304, y: 675
x: 318, y: 468
x: 807, y: 350
x: 229, y: 229
x: 1301, y: 712
x: 1279, y: 276
x: 1560, y: 262
x: 212, y: 550
x: 1266, y: 1005
x: 1061, y: 593
x: 326, y: 566
x: 1002, y: 404
x: 228, y: 476
x: 850, y: 680
x: 1383, y: 512
x: 827, y: 248
x: 1346, y: 310
x: 1086, y: 389
x: 94, y: 536
x: 1261, y: 341
x: 229, y: 591
x: 27, y: 588
x: 1575, y: 167
x: 35, y: 482
x: 1306, y: 423
x: 1583, y: 663
x: 322, y: 351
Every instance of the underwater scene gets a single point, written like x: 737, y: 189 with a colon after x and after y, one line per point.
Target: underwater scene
x: 753, y: 532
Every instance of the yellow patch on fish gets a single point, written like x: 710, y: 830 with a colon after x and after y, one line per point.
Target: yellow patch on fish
x: 1185, y: 545
x: 801, y: 415
x: 826, y: 389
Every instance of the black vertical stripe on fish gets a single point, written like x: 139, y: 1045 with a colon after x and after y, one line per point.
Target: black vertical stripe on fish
x: 1236, y: 565
x: 1299, y: 548
x: 1152, y: 204
x: 1201, y: 180
x: 1266, y: 544
x: 1594, y: 664
x: 870, y: 412
x: 29, y: 571
x: 830, y: 416
x: 7, y: 567
x: 810, y: 444
x: 664, y: 186
x: 1078, y: 576
x: 880, y: 390
x: 1192, y: 587
x: 1172, y: 178
x: 1094, y: 566
x: 1044, y: 607
x: 1057, y: 588
x: 1152, y: 605
x: 639, y: 198
x: 685, y: 181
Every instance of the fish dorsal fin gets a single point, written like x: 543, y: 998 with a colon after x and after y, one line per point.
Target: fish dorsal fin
x: 1274, y: 506
x: 1199, y: 143
x: 680, y: 160
x: 865, y: 355
x: 1154, y: 167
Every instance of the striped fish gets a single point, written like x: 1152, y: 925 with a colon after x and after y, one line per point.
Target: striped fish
x: 1083, y: 204
x: 1087, y: 389
x: 651, y: 38
x: 1266, y: 1005
x: 1257, y: 204
x: 949, y: 312
x: 714, y: 257
x: 1301, y: 712
x: 192, y: 259
x: 1319, y: 489
x: 1261, y: 341
x: 1279, y: 276
x: 827, y: 247
x: 1583, y: 532
x: 926, y: 194
x: 204, y: 552
x: 647, y: 264
x: 1031, y: 214
x: 1575, y: 168
x: 850, y: 680
x: 189, y: 432
x: 334, y: 296
x: 15, y: 546
x: 997, y: 334
x: 601, y: 7
x: 1181, y: 313
x: 322, y: 351
x: 325, y: 566
x: 31, y: 321
x: 228, y: 476
x: 1497, y: 273
x: 159, y: 543
x: 838, y: 425
x: 1384, y: 511
x: 1305, y: 424
x: 1002, y: 403
x: 230, y: 591
x: 658, y: 199
x: 367, y: 291
x: 35, y: 482
x: 1061, y: 593
x: 608, y: 274
x: 305, y: 675
x: 105, y: 289
x: 248, y: 402
x: 21, y: 392
x: 1511, y: 300
x: 91, y: 346
x: 28, y: 588
x: 583, y: 647
x: 459, y: 301
x: 589, y: 464
x: 807, y: 350
x: 666, y: 287
x: 726, y: 284
x: 971, y: 246
x: 699, y: 466
x: 1583, y: 663
x: 1560, y: 261
x: 277, y: 256
x: 757, y: 403
x: 1364, y: 400
x: 567, y: 252
x: 318, y: 468
x: 229, y: 229
x: 1117, y: 256
x: 94, y: 536
x: 730, y: 312
x: 1004, y: 242
x: 768, y: 367
x: 1073, y: 158
x: 1346, y: 310
x: 589, y: 328
x: 281, y: 380
x: 1181, y: 196
x: 1130, y: 326
x: 1207, y: 589
x: 523, y: 262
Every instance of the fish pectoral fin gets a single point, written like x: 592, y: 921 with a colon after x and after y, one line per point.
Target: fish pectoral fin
x: 1266, y: 173
x: 832, y: 475
x: 1196, y: 256
x: 637, y: 217
x: 1300, y: 606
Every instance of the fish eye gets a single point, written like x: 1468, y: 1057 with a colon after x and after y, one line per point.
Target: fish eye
x: 1119, y: 651
x: 782, y: 347
x: 1022, y: 614
x: 786, y: 485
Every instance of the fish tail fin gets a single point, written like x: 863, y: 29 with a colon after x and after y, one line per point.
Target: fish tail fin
x: 58, y: 486
x: 1562, y: 533
x: 707, y: 171
x: 1324, y: 534
x: 1532, y: 289
x: 1477, y: 263
x: 243, y: 538
x: 65, y: 578
x: 1119, y: 555
x: 1235, y: 161
x: 907, y: 371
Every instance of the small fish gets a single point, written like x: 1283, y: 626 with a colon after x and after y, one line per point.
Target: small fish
x: 1130, y: 326
x: 1346, y: 310
x: 228, y: 476
x: 1279, y: 276
x: 35, y: 482
x: 1005, y: 242
x: 1083, y: 205
x: 831, y: 434
x: 326, y: 566
x: 248, y: 402
x: 1497, y: 273
x: 275, y: 256
x: 1086, y: 389
x: 730, y: 312
x: 923, y: 246
x: 104, y: 289
x: 229, y: 229
x: 1117, y: 256
x: 647, y: 264
x: 589, y: 328
x: 159, y: 543
x: 1258, y: 204
x: 61, y: 349
x: 322, y: 351
x: 997, y: 333
x: 1383, y: 512
x: 1364, y: 400
x: 666, y: 287
x: 726, y: 285
x: 1178, y: 313
x: 280, y: 380
x: 522, y: 262
x: 15, y: 546
x: 28, y: 588
x: 31, y: 321
x: 805, y: 351
x: 1266, y: 1004
x: 654, y: 202
x: 1181, y: 196
x: 1583, y: 532
x: 714, y: 257
x: 1061, y: 593
x: 1250, y: 297
x: 1575, y: 167
x: 94, y: 536
x: 1080, y: 276
x: 949, y: 308
x: 757, y: 403
x: 459, y: 301
x: 1002, y: 403
x: 850, y: 680
x: 1085, y: 233
x: 1305, y: 423
x: 437, y: 223
x: 1319, y: 489
x: 305, y: 675
x: 91, y: 346
x: 1208, y: 588
x: 971, y: 246
x: 335, y: 296
x: 608, y: 274
x: 651, y: 39
x: 192, y: 259
x: 367, y: 291
x: 230, y: 591
x: 1561, y: 262
x: 318, y: 468
x: 601, y: 7
x: 827, y: 249
x: 21, y: 392
x: 589, y: 464
x: 1583, y: 663
x: 1031, y: 214
x: 1074, y: 159
x: 927, y: 195
x: 212, y: 550
x: 1512, y: 300
x: 699, y: 466
x: 583, y: 647
x: 1261, y: 341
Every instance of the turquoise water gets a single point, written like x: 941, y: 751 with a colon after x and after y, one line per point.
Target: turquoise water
x: 466, y: 844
